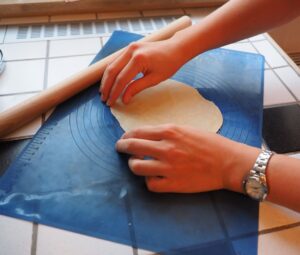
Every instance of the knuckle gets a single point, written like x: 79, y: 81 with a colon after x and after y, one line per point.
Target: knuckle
x: 139, y: 57
x: 170, y: 131
x: 133, y: 46
x: 172, y: 151
x: 110, y: 70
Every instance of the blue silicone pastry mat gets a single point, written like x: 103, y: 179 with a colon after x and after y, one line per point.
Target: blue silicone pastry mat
x: 71, y: 177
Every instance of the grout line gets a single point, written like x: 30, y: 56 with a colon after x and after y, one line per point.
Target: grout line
x: 45, y: 82
x: 279, y: 105
x: 278, y: 67
x: 20, y: 93
x: 4, y: 36
x: 283, y: 83
x: 272, y: 69
x: 34, y: 238
x: 268, y: 231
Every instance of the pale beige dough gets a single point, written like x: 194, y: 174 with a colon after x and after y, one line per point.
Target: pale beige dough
x: 170, y: 102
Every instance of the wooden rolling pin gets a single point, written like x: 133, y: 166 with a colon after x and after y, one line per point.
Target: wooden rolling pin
x: 30, y: 109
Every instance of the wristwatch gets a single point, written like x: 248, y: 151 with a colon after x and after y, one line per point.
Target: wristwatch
x: 255, y: 183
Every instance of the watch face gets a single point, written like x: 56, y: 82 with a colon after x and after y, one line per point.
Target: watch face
x: 255, y: 189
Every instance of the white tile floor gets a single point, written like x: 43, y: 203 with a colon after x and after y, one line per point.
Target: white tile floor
x: 15, y: 236
x: 272, y: 216
x: 274, y: 91
x: 24, y: 50
x: 71, y: 47
x: 272, y: 56
x: 280, y: 242
x: 51, y: 240
x: 2, y: 34
x: 290, y: 78
x: 61, y: 68
x: 257, y: 38
x: 22, y: 76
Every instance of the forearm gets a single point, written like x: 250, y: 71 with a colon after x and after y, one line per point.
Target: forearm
x: 236, y: 20
x: 283, y: 175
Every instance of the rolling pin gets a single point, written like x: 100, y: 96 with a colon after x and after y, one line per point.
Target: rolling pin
x: 22, y: 113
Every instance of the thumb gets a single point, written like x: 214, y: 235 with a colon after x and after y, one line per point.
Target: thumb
x: 137, y: 86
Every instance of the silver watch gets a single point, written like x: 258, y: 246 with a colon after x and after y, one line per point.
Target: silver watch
x: 255, y: 183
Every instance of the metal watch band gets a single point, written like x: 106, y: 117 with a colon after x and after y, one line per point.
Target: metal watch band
x: 261, y: 162
x: 258, y: 175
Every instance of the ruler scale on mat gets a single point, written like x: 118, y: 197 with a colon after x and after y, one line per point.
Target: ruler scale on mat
x: 71, y: 177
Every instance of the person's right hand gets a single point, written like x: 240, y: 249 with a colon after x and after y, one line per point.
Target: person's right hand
x: 157, y: 61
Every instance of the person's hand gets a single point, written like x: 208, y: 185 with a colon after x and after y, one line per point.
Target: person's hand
x: 184, y: 159
x: 157, y: 61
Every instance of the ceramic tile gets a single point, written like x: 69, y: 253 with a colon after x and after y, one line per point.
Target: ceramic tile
x: 272, y: 56
x: 271, y: 216
x: 118, y: 15
x: 104, y: 40
x: 246, y: 47
x: 56, y: 241
x: 2, y: 33
x: 136, y: 25
x: 72, y: 17
x: 15, y: 236
x: 28, y: 130
x: 26, y: 50
x: 158, y: 13
x: 257, y: 38
x: 281, y: 128
x: 274, y: 90
x: 70, y: 47
x: 290, y: 78
x: 24, y: 20
x: 7, y: 102
x: 145, y: 252
x: 62, y: 68
x: 22, y: 76
x: 158, y: 23
x: 112, y: 25
x: 280, y: 242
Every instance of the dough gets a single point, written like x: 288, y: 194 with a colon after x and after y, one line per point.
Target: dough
x: 170, y: 102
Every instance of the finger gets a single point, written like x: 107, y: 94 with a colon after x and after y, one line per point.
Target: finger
x: 137, y: 86
x: 125, y: 76
x: 154, y: 133
x: 139, y: 147
x: 147, y: 167
x: 113, y: 70
x: 157, y: 184
x: 146, y: 132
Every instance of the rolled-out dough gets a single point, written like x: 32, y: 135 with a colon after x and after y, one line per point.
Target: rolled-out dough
x: 170, y: 102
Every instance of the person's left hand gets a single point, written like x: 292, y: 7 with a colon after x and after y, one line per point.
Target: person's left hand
x: 184, y: 159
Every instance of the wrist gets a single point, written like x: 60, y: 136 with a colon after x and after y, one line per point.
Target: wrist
x: 240, y: 161
x: 186, y: 45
